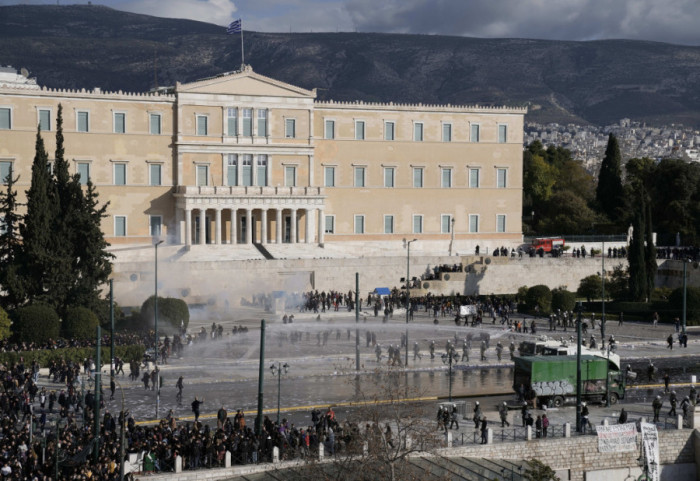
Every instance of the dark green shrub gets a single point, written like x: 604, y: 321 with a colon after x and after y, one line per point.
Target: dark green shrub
x: 35, y: 323
x: 172, y: 313
x: 692, y: 304
x: 101, y: 309
x: 563, y: 299
x: 539, y: 296
x: 45, y: 356
x: 80, y: 323
x: 5, y: 324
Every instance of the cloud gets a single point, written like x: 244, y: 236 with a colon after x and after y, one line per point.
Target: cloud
x: 219, y: 12
x: 672, y: 21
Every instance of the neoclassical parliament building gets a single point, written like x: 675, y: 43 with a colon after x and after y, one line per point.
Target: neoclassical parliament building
x: 241, y: 158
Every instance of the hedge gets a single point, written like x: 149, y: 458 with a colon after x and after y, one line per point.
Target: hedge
x: 35, y: 323
x: 80, y: 323
x: 171, y: 312
x: 5, y: 324
x: 692, y: 304
x: 45, y: 356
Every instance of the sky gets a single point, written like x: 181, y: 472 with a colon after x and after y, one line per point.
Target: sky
x: 673, y: 21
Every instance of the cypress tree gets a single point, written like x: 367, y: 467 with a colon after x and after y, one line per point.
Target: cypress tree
x: 9, y: 247
x: 37, y: 246
x: 637, y: 261
x: 609, y: 194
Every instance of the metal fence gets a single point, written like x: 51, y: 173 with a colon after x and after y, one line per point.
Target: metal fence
x: 581, y: 238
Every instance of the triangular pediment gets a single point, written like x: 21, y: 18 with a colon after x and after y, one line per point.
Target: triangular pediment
x: 245, y: 82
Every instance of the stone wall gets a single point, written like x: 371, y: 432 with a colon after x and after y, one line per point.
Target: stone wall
x: 579, y: 455
x: 215, y: 283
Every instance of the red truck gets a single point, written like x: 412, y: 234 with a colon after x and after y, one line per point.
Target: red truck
x: 548, y: 244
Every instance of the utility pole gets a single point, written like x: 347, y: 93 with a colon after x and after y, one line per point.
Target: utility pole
x: 261, y: 376
x: 602, y: 318
x: 111, y: 324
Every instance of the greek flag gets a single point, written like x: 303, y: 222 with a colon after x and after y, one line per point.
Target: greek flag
x: 234, y: 27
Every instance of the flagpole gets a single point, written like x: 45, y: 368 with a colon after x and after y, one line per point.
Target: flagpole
x: 242, y: 51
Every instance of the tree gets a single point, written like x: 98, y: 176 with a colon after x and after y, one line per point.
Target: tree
x: 12, y: 291
x: 538, y: 471
x: 649, y: 253
x: 692, y: 304
x: 609, y: 193
x: 37, y: 255
x: 79, y: 323
x: 35, y: 323
x: 563, y: 299
x: 172, y: 313
x: 590, y: 287
x: 539, y: 296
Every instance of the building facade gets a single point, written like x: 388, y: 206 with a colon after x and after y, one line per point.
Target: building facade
x: 242, y: 158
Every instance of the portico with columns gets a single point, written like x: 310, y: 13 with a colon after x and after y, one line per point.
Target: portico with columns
x: 246, y: 215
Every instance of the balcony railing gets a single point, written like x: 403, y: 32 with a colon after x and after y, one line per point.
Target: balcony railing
x: 248, y: 191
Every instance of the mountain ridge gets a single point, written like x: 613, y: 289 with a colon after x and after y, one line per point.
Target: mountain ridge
x: 595, y: 82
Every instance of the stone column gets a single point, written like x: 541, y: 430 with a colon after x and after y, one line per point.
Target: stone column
x: 188, y: 227
x: 307, y: 222
x: 218, y: 226
x: 202, y: 226
x: 278, y: 226
x: 234, y: 221
x: 263, y: 226
x: 321, y: 225
x: 293, y: 230
x: 249, y: 226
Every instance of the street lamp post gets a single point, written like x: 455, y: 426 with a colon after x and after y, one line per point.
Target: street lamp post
x: 408, y: 292
x: 155, y: 316
x: 448, y: 358
x: 279, y: 370
x: 685, y: 287
x: 121, y: 433
x: 452, y: 233
x: 602, y: 284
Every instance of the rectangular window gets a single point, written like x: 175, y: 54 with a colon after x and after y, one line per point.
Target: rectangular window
x: 120, y: 226
x: 202, y: 125
x: 290, y: 176
x: 5, y: 171
x: 359, y: 224
x: 502, y: 134
x: 155, y: 173
x: 5, y: 118
x: 84, y: 172
x: 232, y: 121
x: 119, y: 174
x: 389, y: 130
x: 154, y: 124
x: 330, y: 224
x: 389, y: 176
x: 202, y: 175
x: 45, y: 120
x: 418, y: 132
x: 388, y: 224
x: 501, y: 178
x: 417, y: 224
x: 262, y: 122
x: 474, y: 133
x: 247, y: 170
x: 473, y: 223
x: 359, y: 130
x: 500, y: 223
x: 329, y: 176
x: 83, y: 121
x: 248, y: 122
x: 445, y: 223
x: 290, y: 128
x: 474, y: 178
x: 232, y: 169
x: 119, y: 123
x: 262, y: 171
x: 359, y: 176
x: 446, y: 178
x: 156, y: 223
x: 329, y: 129
x: 417, y: 177
x: 447, y: 132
